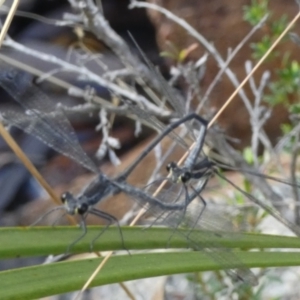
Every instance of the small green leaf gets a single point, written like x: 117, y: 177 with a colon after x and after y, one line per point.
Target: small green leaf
x: 167, y: 54
x: 295, y: 108
x: 248, y: 155
x: 256, y: 11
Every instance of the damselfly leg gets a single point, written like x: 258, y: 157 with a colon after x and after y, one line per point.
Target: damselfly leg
x: 83, y: 209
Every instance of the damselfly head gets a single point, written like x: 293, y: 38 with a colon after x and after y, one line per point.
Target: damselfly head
x: 171, y: 166
x: 72, y: 204
x: 65, y: 196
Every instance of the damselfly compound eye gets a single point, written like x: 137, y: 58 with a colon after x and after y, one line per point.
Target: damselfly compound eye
x: 170, y: 166
x: 186, y: 176
x: 82, y: 209
x: 64, y: 197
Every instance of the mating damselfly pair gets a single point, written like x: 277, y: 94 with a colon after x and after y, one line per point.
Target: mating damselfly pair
x: 39, y: 116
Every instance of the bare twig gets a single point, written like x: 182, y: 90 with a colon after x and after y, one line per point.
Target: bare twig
x: 83, y: 71
x: 227, y: 62
x: 192, y: 31
x: 8, y: 20
x: 258, y: 114
x: 54, y: 22
x: 93, y: 20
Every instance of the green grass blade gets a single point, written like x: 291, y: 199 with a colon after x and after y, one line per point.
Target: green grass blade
x: 21, y: 242
x: 40, y: 281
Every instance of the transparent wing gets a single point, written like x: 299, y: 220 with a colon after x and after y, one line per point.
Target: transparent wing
x: 169, y: 93
x: 170, y: 194
x: 39, y: 116
x: 224, y: 257
x: 188, y: 218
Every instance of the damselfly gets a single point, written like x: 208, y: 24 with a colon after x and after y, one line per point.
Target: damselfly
x: 42, y: 118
